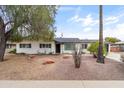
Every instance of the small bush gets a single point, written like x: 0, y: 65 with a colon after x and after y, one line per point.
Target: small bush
x: 13, y: 51
x: 94, y: 49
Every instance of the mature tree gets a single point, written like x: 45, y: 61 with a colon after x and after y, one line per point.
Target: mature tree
x: 100, y: 57
x: 26, y: 22
x: 112, y: 39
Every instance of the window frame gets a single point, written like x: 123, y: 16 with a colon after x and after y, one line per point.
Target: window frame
x: 45, y: 45
x: 25, y: 45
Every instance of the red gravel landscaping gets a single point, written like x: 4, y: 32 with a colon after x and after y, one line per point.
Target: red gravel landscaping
x: 20, y: 67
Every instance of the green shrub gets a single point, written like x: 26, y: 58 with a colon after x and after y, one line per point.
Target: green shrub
x: 93, y: 48
x: 13, y: 51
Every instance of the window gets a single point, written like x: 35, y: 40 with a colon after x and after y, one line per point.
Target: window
x: 69, y: 46
x: 25, y: 45
x: 49, y: 45
x: 42, y: 45
x: 10, y: 45
x: 45, y: 45
x: 84, y: 46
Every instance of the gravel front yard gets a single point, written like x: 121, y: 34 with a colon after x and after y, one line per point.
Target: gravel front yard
x: 19, y: 67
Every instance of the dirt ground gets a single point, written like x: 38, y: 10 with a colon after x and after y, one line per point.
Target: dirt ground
x: 21, y: 67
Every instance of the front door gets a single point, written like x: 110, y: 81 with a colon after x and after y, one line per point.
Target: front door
x: 58, y: 48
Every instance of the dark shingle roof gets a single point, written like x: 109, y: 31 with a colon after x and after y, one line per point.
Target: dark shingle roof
x: 74, y: 40
x: 88, y: 40
x: 66, y: 40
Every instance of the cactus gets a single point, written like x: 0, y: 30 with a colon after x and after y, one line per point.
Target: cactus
x: 77, y: 57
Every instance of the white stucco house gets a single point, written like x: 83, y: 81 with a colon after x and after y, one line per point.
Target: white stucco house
x: 59, y: 45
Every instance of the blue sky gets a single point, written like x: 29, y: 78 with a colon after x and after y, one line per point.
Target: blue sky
x: 83, y: 21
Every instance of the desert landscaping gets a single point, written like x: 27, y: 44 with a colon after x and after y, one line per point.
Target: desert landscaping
x: 58, y: 67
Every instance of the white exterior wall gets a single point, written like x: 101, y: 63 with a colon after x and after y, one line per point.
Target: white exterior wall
x: 35, y: 48
x: 62, y: 48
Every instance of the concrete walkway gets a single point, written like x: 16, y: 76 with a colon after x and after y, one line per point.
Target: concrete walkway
x: 114, y: 56
x: 61, y: 84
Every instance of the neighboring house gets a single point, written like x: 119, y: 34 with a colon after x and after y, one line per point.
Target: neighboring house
x: 117, y: 47
x: 59, y: 45
x: 116, y: 50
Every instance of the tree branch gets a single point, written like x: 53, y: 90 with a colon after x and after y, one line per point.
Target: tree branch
x: 8, y: 23
x: 8, y: 34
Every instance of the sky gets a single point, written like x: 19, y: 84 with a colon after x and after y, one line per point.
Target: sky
x: 83, y: 21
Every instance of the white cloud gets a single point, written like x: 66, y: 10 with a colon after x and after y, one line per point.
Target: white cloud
x: 86, y: 21
x: 112, y: 27
x: 111, y: 20
x: 89, y: 21
x: 87, y: 29
x: 86, y: 33
x: 117, y: 31
x: 74, y: 18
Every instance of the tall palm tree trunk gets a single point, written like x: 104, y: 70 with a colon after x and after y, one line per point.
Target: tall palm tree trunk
x: 100, y: 57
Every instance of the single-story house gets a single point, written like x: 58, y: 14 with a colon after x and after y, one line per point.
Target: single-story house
x: 117, y: 47
x: 59, y: 45
x: 64, y: 45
